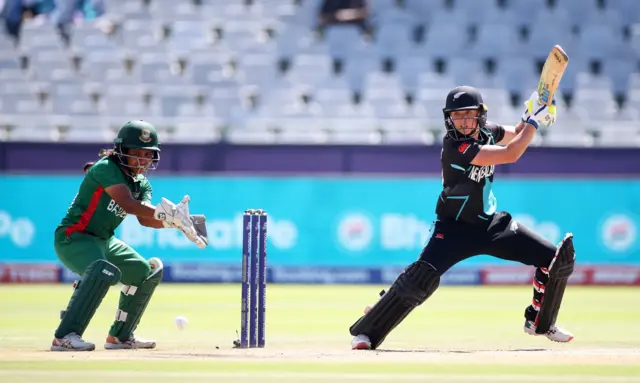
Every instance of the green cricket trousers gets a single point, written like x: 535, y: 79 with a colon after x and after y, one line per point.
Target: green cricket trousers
x: 79, y: 250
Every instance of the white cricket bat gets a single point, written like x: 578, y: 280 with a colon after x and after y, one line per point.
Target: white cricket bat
x: 552, y: 72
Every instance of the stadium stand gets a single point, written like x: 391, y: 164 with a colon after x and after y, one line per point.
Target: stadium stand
x: 257, y: 71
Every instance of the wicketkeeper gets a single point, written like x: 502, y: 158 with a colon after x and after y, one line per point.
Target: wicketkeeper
x: 113, y: 187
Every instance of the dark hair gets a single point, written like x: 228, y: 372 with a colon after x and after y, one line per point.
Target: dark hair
x: 102, y: 153
x: 106, y: 152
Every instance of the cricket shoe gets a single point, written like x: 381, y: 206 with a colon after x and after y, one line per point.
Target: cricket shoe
x: 555, y: 333
x: 71, y: 342
x: 114, y: 343
x: 361, y: 342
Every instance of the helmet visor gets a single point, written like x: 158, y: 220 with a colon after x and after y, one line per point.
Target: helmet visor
x: 139, y: 161
x: 461, y: 124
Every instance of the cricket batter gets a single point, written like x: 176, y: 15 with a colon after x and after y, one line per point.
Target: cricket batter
x: 113, y: 187
x: 468, y: 223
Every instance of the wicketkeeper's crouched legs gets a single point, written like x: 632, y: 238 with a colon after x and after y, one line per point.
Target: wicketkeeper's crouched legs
x: 84, y: 255
x: 549, y: 284
x: 139, y: 279
x: 88, y: 293
x: 134, y: 299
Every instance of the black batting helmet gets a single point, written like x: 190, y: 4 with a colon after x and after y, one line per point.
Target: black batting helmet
x: 463, y: 98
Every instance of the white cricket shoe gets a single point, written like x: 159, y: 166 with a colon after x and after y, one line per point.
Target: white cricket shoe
x: 361, y: 342
x: 71, y: 342
x: 114, y: 343
x: 555, y: 333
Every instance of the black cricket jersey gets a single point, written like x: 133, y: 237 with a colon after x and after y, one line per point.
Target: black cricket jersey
x: 467, y: 194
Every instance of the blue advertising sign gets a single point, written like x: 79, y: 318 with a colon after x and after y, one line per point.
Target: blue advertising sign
x: 330, y: 222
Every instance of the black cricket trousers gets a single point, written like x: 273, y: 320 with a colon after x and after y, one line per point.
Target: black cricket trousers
x: 502, y: 237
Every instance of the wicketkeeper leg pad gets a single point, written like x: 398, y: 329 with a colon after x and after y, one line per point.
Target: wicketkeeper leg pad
x: 134, y: 301
x: 410, y: 289
x: 558, y: 272
x: 88, y: 293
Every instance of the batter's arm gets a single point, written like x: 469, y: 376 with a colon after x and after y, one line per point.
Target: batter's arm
x: 496, y: 155
x: 510, y: 132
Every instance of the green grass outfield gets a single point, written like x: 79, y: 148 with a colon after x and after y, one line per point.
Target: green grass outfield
x: 462, y: 334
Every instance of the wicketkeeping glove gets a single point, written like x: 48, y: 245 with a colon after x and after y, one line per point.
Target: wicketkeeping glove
x: 200, y: 224
x: 178, y: 216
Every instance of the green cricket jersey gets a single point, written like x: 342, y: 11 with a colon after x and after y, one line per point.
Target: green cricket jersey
x: 92, y: 211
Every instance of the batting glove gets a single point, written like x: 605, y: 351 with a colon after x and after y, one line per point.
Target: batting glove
x: 538, y: 114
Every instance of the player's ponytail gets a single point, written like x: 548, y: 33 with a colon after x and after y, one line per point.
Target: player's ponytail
x: 87, y: 166
x: 105, y: 153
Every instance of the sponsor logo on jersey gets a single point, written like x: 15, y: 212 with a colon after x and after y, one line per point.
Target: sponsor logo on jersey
x: 145, y: 136
x: 463, y: 147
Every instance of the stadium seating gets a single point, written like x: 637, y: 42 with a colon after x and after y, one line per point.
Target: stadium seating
x: 258, y: 71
